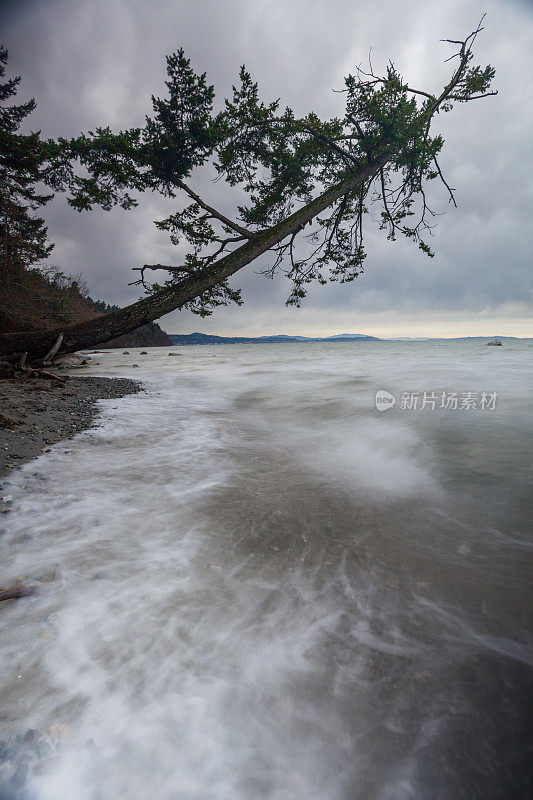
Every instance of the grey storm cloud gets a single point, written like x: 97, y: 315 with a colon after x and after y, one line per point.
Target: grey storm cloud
x: 97, y: 63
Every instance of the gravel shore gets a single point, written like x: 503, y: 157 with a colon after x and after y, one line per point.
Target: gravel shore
x: 35, y: 414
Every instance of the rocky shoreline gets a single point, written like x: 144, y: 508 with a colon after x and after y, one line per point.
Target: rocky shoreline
x: 36, y: 413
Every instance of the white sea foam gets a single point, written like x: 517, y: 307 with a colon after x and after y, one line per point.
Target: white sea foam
x: 271, y: 590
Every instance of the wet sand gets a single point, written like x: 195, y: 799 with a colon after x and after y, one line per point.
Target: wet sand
x: 35, y: 414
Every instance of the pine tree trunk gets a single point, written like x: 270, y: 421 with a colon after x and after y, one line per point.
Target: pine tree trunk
x: 96, y: 331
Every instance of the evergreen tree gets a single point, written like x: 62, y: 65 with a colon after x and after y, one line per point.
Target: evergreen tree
x: 297, y: 172
x: 23, y: 161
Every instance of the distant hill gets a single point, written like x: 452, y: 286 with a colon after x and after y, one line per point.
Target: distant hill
x: 207, y: 338
x: 280, y: 338
x: 150, y: 335
x: 350, y: 336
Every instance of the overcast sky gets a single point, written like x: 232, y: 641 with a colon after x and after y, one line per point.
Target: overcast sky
x: 93, y: 63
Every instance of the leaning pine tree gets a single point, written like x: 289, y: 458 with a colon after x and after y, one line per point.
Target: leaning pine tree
x: 306, y: 179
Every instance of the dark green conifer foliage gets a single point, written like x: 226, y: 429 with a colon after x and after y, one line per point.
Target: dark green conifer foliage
x: 309, y: 183
x: 23, y: 234
x: 282, y: 162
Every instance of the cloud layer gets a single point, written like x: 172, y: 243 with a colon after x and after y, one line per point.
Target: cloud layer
x: 97, y: 63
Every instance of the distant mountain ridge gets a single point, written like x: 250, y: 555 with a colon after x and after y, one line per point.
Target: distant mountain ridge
x: 208, y: 338
x: 281, y: 338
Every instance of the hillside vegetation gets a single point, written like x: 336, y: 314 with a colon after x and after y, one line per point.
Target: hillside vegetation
x: 46, y: 299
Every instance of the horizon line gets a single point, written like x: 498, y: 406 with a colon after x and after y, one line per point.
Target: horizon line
x: 332, y: 335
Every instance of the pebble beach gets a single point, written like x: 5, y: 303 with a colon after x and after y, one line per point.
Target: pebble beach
x: 35, y: 414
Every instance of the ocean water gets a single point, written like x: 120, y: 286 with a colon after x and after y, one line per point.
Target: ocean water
x: 273, y: 590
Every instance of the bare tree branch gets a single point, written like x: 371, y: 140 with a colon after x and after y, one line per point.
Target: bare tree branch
x: 217, y: 214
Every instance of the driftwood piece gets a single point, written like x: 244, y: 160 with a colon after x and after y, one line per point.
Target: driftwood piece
x: 43, y: 373
x: 22, y: 590
x: 53, y: 350
x: 32, y: 372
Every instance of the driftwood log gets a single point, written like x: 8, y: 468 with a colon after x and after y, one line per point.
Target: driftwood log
x: 19, y: 367
x: 49, y: 357
x: 23, y: 590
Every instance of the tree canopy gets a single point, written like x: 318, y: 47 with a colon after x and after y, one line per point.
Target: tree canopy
x: 295, y: 172
x: 23, y: 160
